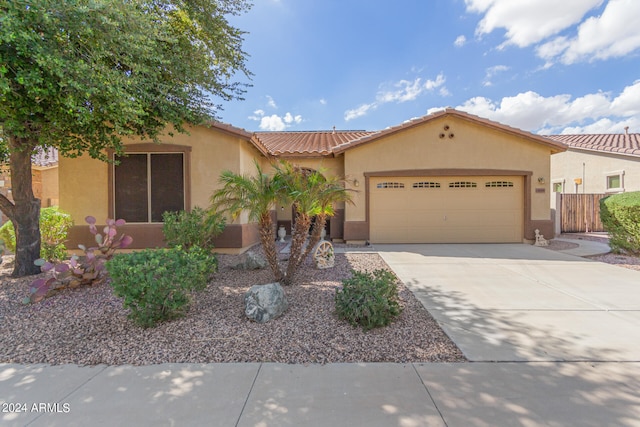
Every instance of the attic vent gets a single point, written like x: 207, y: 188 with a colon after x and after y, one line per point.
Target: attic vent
x: 498, y: 184
x: 390, y: 185
x: 426, y: 184
x: 462, y: 184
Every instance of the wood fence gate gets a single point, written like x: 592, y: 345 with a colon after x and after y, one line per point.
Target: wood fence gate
x: 580, y: 213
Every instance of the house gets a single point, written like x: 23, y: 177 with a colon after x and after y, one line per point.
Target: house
x: 445, y: 177
x: 44, y: 176
x: 600, y: 163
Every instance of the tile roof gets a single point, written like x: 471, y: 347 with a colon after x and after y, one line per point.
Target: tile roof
x: 312, y: 143
x: 620, y: 143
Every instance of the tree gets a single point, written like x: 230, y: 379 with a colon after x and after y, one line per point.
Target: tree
x: 256, y: 196
x: 311, y: 193
x: 313, y: 196
x: 80, y: 75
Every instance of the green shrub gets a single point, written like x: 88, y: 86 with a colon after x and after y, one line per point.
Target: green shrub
x: 620, y: 215
x: 156, y: 283
x: 54, y: 226
x: 188, y: 229
x: 368, y: 299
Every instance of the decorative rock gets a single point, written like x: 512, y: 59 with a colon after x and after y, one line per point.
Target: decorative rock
x: 540, y: 240
x: 324, y: 255
x: 265, y: 302
x: 250, y: 261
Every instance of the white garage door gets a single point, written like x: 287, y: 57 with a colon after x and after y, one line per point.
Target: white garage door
x: 451, y: 209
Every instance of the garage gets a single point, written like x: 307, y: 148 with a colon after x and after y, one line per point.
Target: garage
x: 446, y: 209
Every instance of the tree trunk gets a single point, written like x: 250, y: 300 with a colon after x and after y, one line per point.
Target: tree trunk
x: 302, y: 224
x: 25, y: 214
x: 267, y: 238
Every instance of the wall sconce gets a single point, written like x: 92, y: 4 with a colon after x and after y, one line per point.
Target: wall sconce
x: 356, y: 183
x: 541, y: 180
x: 282, y: 208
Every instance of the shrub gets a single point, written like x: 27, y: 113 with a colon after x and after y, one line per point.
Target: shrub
x: 368, y: 299
x: 54, y: 226
x: 87, y: 270
x: 155, y: 283
x: 188, y: 229
x: 620, y: 215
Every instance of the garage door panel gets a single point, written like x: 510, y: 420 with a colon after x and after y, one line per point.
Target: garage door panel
x: 447, y: 210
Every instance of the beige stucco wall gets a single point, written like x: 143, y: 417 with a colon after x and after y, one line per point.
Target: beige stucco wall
x: 50, y: 186
x: 84, y: 181
x: 473, y: 146
x: 567, y: 166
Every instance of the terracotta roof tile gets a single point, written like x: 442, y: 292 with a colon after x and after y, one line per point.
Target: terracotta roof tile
x: 614, y: 143
x: 311, y: 143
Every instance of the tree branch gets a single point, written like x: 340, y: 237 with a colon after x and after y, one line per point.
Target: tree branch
x: 7, y: 207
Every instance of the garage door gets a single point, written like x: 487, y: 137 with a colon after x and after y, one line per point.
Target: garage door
x: 452, y: 209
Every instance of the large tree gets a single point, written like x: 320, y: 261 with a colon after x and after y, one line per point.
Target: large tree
x: 80, y: 75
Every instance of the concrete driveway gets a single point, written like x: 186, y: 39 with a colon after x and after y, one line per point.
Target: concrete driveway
x: 514, y: 302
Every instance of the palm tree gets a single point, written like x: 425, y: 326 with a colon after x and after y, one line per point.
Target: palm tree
x: 255, y: 195
x: 312, y: 195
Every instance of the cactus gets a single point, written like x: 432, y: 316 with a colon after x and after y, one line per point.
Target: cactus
x: 80, y: 271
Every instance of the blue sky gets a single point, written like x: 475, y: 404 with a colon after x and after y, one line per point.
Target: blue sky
x: 545, y: 66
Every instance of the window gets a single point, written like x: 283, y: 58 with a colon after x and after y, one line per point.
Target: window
x: 462, y: 184
x: 426, y: 184
x: 390, y: 185
x: 615, y: 181
x: 498, y: 184
x: 147, y: 184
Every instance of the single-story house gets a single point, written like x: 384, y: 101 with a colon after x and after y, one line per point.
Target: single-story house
x: 592, y: 164
x: 448, y: 177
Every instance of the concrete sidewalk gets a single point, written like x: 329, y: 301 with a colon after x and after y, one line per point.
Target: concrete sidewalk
x: 403, y: 395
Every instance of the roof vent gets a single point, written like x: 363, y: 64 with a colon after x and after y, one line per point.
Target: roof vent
x: 334, y: 130
x: 626, y: 130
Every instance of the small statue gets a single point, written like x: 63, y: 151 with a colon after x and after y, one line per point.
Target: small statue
x: 540, y: 240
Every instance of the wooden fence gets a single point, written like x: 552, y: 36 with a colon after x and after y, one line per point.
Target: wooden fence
x: 580, y: 213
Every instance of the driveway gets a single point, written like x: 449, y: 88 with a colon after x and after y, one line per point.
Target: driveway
x: 515, y: 302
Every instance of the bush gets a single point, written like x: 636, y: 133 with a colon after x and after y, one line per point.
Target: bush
x: 54, y: 226
x: 368, y: 299
x: 155, y: 283
x: 620, y: 215
x: 188, y: 229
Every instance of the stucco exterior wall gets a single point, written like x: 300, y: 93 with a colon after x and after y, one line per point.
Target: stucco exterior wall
x: 472, y: 147
x: 593, y: 168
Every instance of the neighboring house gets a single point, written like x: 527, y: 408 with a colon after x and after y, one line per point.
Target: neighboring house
x: 446, y: 177
x: 44, y: 175
x: 600, y: 163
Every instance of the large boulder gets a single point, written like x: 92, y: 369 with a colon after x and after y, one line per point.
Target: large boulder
x: 265, y: 302
x: 250, y: 261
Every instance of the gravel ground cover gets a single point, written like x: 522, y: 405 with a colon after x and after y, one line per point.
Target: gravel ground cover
x: 88, y: 326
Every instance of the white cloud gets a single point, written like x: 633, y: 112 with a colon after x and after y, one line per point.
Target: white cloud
x: 270, y: 102
x: 275, y: 122
x: 612, y: 34
x: 401, y: 91
x: 595, y: 112
x: 359, y: 111
x: 529, y: 22
x: 289, y: 118
x: 491, y: 72
x: 460, y: 41
x: 323, y: 101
